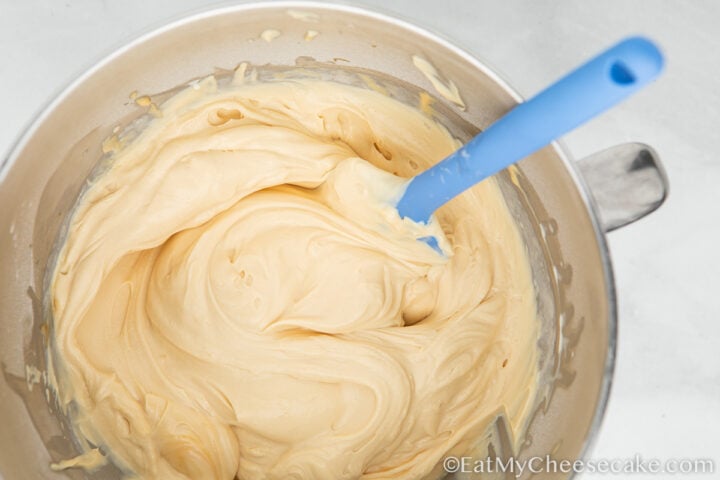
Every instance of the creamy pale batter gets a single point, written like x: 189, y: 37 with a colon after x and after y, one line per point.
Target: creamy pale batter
x: 236, y: 295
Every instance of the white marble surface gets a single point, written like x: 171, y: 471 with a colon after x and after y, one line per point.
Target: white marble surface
x: 666, y: 396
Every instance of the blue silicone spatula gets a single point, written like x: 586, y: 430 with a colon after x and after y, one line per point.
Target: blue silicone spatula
x: 592, y: 88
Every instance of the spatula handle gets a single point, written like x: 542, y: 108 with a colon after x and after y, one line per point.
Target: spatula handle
x: 579, y: 96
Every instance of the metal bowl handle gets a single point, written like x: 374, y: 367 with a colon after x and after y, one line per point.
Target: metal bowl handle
x: 627, y: 182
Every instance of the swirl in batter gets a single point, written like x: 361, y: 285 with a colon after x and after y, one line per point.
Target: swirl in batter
x: 237, y: 297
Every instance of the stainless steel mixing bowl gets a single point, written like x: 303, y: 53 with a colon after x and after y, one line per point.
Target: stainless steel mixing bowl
x: 563, y: 207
